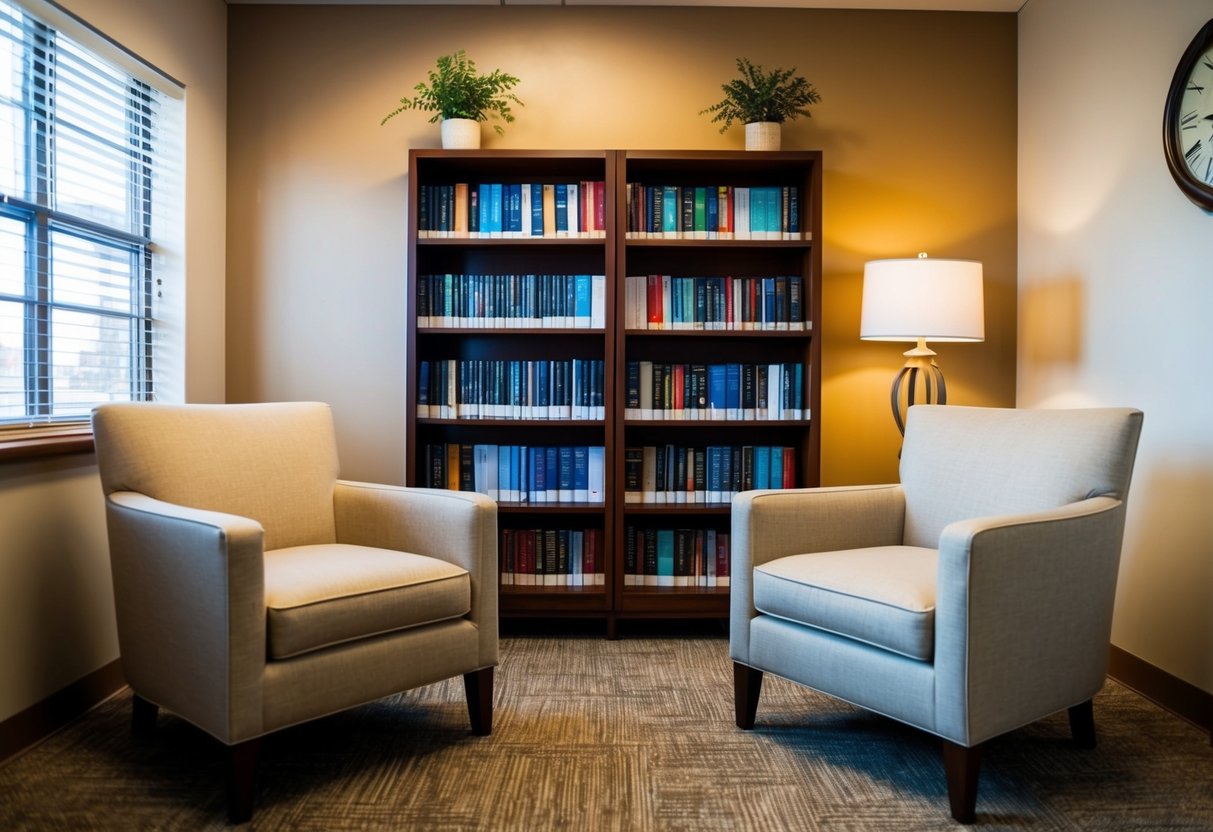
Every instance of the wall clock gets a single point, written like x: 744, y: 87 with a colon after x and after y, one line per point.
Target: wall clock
x: 1188, y: 121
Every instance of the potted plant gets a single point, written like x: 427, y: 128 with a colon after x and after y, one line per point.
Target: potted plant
x: 763, y: 101
x: 461, y: 98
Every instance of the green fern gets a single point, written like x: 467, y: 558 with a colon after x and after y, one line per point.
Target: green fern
x: 456, y: 90
x: 779, y: 95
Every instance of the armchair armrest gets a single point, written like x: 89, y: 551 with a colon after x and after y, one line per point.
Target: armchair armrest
x: 456, y: 526
x: 771, y: 524
x: 190, y: 598
x: 1023, y: 615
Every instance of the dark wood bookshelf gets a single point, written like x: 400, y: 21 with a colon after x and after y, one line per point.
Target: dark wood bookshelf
x: 642, y: 256
x: 617, y: 255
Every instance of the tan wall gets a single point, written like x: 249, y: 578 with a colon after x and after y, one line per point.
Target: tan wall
x: 1116, y: 294
x: 917, y: 124
x: 56, y: 601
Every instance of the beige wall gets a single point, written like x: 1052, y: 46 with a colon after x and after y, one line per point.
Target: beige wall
x: 56, y: 604
x: 1116, y: 293
x: 917, y: 124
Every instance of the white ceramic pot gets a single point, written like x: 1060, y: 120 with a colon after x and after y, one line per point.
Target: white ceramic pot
x: 762, y: 135
x: 460, y: 134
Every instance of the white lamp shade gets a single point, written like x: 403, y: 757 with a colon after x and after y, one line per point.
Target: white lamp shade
x: 912, y: 298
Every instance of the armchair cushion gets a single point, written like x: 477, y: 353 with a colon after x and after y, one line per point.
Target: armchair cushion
x: 883, y: 596
x: 319, y: 596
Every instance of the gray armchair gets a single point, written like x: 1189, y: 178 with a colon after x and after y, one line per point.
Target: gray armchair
x: 971, y: 599
x: 255, y: 590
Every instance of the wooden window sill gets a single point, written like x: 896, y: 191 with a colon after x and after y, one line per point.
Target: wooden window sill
x: 32, y: 447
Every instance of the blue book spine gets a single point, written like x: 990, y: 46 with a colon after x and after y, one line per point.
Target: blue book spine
x: 582, y: 305
x: 485, y: 207
x: 598, y: 376
x: 503, y: 472
x: 423, y: 390
x: 496, y: 209
x: 798, y: 402
x: 515, y: 209
x: 713, y: 210
x: 551, y: 472
x: 517, y: 460
x: 543, y: 386
x: 768, y: 303
x: 665, y: 557
x: 669, y: 210
x: 565, y: 474
x: 562, y: 209
x: 717, y: 392
x: 715, y: 475
x: 776, y: 476
x: 775, y: 213
x: 762, y: 466
x: 536, y: 210
x: 732, y: 391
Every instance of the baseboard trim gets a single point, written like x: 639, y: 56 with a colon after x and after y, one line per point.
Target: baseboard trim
x: 37, y: 722
x: 1181, y: 698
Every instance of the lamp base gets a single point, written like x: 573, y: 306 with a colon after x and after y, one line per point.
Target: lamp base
x: 920, y: 370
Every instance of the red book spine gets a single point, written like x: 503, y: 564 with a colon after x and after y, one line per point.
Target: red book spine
x: 654, y: 300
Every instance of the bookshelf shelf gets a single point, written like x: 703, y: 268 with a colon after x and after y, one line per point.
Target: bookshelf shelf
x: 508, y: 507
x: 787, y: 272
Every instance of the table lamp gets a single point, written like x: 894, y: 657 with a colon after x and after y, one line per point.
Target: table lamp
x: 918, y: 300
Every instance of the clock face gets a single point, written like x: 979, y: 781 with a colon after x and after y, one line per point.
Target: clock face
x: 1195, y: 117
x: 1188, y: 121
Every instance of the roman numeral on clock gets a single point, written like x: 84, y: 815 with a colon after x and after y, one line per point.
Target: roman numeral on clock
x: 1193, y: 152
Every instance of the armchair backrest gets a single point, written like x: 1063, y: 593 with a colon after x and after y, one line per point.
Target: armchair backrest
x: 273, y: 463
x: 960, y: 463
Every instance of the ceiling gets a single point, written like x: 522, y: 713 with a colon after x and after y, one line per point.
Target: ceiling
x: 911, y: 5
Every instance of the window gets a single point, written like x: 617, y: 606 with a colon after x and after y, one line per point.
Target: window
x: 86, y: 149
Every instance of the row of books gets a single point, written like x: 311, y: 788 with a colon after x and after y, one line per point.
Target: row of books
x: 551, y: 557
x: 524, y: 301
x: 490, y: 210
x: 675, y: 557
x: 498, y: 389
x: 655, y: 390
x: 518, y: 473
x: 713, y: 212
x: 661, y: 301
x: 675, y: 474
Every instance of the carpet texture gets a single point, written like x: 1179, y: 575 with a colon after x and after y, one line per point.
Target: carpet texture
x: 635, y: 734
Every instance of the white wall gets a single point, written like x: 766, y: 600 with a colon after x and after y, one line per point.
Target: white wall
x: 56, y: 600
x: 1116, y: 293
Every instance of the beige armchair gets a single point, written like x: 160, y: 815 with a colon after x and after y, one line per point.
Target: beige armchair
x: 969, y: 600
x: 255, y: 590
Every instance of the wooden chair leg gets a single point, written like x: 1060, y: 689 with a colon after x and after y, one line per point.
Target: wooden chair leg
x: 747, y: 685
x: 478, y: 685
x: 962, y: 765
x: 143, y: 716
x: 1082, y: 724
x: 241, y: 775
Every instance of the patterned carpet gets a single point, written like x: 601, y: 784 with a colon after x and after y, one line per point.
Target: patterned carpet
x: 635, y: 734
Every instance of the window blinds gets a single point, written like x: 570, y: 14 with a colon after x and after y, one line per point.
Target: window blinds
x: 90, y: 172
